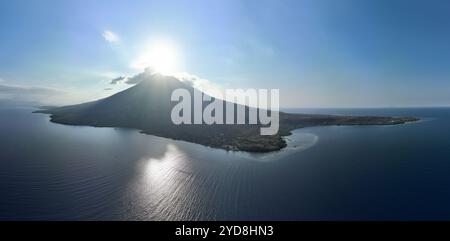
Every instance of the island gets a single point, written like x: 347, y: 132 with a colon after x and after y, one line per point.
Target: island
x: 147, y: 106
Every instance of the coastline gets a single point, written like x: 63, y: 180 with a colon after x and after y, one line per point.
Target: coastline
x: 241, y: 137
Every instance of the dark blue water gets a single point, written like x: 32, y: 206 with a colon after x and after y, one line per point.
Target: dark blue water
x: 55, y: 172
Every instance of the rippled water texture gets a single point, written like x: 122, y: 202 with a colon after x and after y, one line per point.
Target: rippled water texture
x: 55, y: 172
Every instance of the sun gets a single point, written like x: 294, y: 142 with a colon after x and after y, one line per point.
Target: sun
x: 161, y: 56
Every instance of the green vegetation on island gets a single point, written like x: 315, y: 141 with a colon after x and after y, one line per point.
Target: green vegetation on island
x: 147, y: 107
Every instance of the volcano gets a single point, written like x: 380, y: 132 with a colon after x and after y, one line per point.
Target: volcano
x: 147, y: 107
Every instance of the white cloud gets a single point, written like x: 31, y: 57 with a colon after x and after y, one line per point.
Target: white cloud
x: 201, y: 84
x: 118, y: 79
x: 33, y: 90
x: 110, y: 36
x: 43, y: 95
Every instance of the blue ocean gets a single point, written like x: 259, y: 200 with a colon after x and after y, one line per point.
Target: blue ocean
x: 50, y: 171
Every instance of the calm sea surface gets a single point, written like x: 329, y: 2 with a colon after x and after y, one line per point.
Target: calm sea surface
x: 56, y: 172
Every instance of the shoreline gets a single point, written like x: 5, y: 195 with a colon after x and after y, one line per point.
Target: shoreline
x: 255, y: 143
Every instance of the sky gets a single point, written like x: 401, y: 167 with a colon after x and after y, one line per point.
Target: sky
x: 319, y: 53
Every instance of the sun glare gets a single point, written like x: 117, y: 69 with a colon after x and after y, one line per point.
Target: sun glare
x: 162, y: 57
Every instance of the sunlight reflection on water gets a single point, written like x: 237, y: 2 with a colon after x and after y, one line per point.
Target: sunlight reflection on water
x: 57, y: 172
x: 179, y: 184
x: 161, y: 184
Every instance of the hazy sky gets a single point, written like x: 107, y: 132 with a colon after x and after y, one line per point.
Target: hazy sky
x: 319, y: 53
